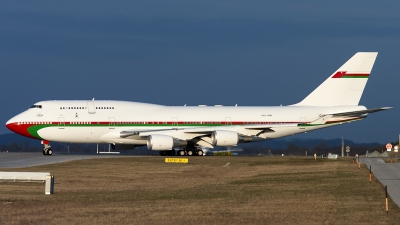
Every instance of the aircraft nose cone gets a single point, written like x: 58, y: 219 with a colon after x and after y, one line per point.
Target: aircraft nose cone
x: 13, y: 126
x: 21, y: 129
x: 9, y: 126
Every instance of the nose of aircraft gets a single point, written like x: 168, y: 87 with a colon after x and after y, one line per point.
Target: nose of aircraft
x: 16, y: 127
x: 12, y: 125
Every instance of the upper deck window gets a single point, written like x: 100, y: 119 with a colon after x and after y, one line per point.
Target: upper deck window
x: 36, y: 106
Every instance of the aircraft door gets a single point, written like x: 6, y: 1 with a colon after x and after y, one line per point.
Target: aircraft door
x: 61, y: 123
x: 91, y: 108
x: 111, y: 121
x: 174, y: 122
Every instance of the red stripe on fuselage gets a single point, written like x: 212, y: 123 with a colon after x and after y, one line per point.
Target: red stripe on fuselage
x: 21, y: 129
x: 341, y: 74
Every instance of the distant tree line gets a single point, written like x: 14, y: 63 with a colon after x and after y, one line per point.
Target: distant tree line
x: 320, y: 148
x: 68, y: 148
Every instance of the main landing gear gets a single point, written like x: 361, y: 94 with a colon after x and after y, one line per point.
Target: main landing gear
x: 167, y: 153
x: 47, y: 148
x: 184, y: 152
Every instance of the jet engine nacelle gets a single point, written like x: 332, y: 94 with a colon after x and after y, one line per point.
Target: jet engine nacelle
x: 224, y: 138
x: 159, y: 142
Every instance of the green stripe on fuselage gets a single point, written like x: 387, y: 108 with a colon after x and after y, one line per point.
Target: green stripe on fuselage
x: 309, y: 125
x: 33, y: 130
x: 354, y: 76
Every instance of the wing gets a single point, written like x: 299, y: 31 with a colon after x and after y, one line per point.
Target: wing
x: 202, y: 135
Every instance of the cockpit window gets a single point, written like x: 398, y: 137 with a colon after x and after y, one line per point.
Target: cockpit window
x: 36, y: 106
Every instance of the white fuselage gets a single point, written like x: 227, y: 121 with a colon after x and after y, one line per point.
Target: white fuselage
x: 164, y: 128
x: 79, y: 121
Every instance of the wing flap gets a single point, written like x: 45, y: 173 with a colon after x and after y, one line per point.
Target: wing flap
x: 127, y: 133
x: 204, y: 142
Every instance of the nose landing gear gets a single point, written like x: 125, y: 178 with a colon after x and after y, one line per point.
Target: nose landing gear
x: 47, y: 148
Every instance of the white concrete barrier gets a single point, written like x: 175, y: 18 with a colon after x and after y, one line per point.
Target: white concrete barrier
x: 26, y: 176
x: 30, y: 176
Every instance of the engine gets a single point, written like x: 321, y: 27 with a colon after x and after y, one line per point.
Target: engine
x: 224, y: 138
x: 159, y: 142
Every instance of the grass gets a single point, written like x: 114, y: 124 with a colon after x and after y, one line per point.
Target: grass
x: 250, y: 190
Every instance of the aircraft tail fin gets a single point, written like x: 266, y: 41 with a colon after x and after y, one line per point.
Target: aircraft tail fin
x: 346, y: 85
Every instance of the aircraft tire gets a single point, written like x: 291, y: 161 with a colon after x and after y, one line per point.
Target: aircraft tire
x: 44, y: 152
x: 50, y: 152
x: 171, y: 152
x: 181, y: 153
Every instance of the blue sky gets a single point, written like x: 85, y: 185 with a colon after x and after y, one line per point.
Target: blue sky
x: 198, y: 52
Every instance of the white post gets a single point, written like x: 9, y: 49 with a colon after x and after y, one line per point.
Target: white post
x: 49, y: 186
x: 342, y: 147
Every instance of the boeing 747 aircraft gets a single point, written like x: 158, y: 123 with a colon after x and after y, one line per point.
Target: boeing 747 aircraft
x: 183, y: 130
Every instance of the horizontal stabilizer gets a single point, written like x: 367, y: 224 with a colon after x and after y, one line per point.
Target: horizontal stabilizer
x: 360, y: 112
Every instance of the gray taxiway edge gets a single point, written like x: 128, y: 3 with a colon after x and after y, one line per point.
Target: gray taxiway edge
x: 25, y: 159
x: 388, y: 174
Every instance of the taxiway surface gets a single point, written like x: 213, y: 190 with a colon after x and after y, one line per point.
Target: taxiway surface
x: 24, y: 159
x: 387, y: 173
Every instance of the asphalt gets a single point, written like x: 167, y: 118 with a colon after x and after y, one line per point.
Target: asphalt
x: 387, y: 173
x: 18, y: 160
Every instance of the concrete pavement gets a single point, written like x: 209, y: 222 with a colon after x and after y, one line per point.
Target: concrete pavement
x: 387, y: 173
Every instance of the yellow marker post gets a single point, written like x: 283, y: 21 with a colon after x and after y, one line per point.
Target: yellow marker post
x: 387, y: 203
x: 370, y: 174
x: 223, y: 154
x: 176, y: 160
